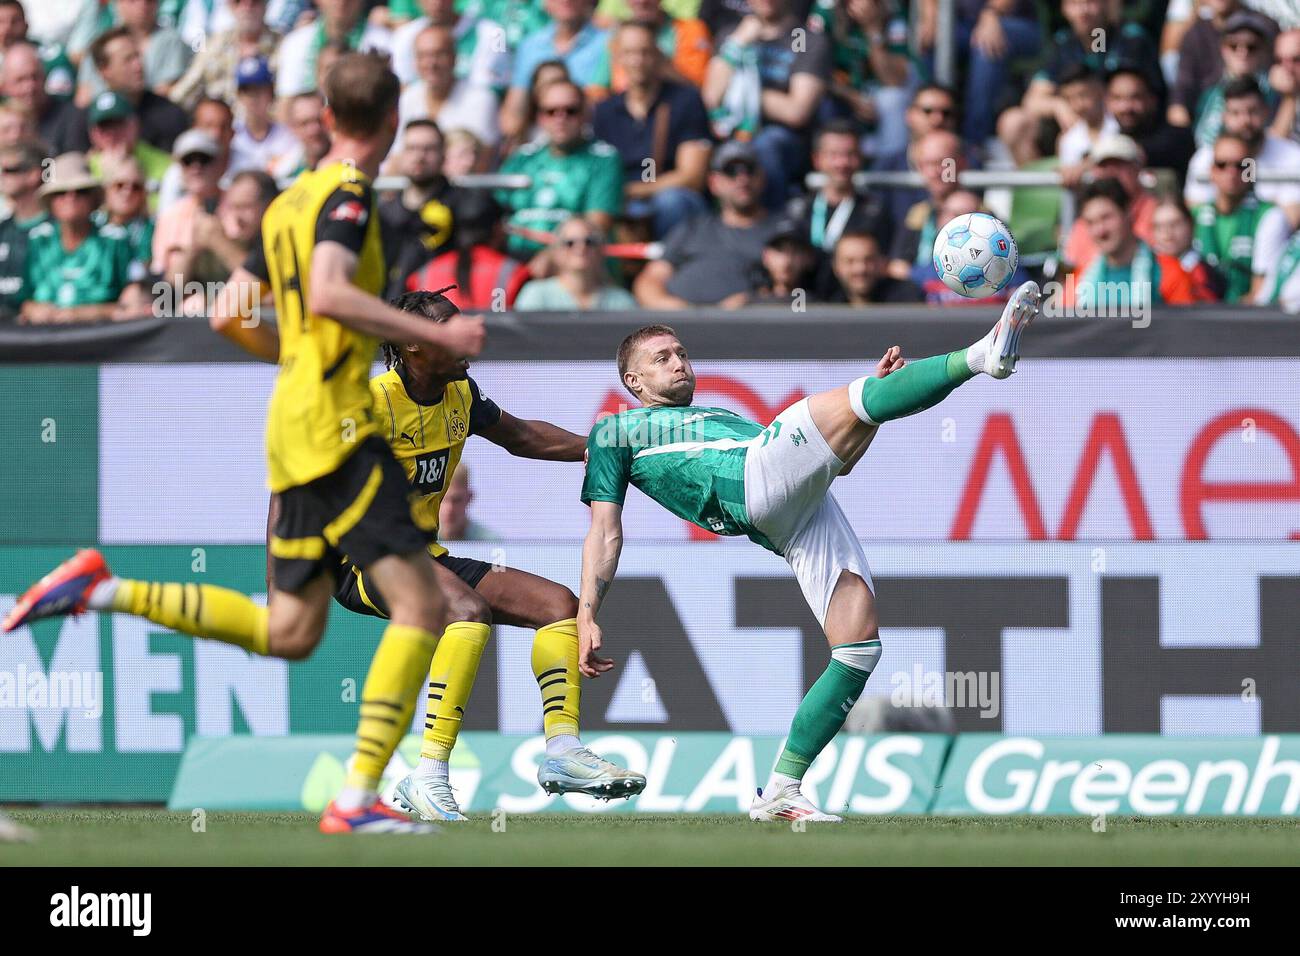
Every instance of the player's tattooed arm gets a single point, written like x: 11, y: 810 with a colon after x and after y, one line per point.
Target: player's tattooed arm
x: 540, y: 440
x: 600, y: 554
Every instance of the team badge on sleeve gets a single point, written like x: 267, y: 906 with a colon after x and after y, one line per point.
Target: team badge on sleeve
x: 350, y: 211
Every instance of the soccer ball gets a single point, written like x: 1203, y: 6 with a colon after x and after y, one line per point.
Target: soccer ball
x: 975, y: 255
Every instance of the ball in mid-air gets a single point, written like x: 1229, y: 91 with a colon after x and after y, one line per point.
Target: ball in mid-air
x: 975, y: 255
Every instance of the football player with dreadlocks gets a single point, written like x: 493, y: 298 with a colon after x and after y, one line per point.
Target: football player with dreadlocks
x: 427, y: 406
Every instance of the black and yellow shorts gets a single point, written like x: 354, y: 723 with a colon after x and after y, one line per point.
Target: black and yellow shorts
x: 356, y: 593
x: 362, y: 509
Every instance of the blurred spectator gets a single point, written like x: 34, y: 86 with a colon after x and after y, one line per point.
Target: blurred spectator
x: 1084, y: 92
x: 439, y: 95
x: 340, y: 22
x: 15, y: 126
x: 481, y: 56
x: 222, y: 239
x: 1245, y: 115
x: 715, y: 259
x: 303, y: 115
x: 762, y: 85
x: 419, y: 220
x: 661, y: 131
x: 259, y: 142
x: 581, y: 281
x: 93, y: 18
x: 116, y: 55
x: 933, y: 107
x: 1281, y: 287
x: 683, y: 41
x: 20, y: 183
x: 519, y: 18
x: 960, y: 202
x: 1247, y: 51
x: 1115, y: 157
x: 1125, y: 274
x: 164, y: 55
x: 115, y: 135
x: 217, y: 119
x: 454, y: 522
x: 75, y: 272
x: 570, y: 37
x: 571, y: 173
x: 1075, y: 43
x: 835, y: 207
x: 1136, y: 108
x: 174, y: 237
x: 465, y: 153
x: 126, y: 208
x: 939, y: 160
x: 212, y: 72
x: 22, y: 85
x: 1285, y: 79
x: 722, y: 16
x: 1200, y: 59
x: 60, y: 76
x: 548, y: 72
x: 485, y: 278
x: 991, y: 33
x: 1171, y: 235
x: 871, y: 68
x: 1240, y: 236
x: 860, y: 276
x: 284, y: 16
x: 786, y: 270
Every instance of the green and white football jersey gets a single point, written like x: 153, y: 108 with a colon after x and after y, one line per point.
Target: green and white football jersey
x: 688, y: 458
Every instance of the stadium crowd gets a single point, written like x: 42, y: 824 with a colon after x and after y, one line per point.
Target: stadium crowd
x: 656, y: 153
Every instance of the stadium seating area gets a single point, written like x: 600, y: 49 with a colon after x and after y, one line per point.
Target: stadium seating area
x: 564, y: 155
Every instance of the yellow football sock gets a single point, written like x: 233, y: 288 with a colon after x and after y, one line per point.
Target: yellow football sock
x: 555, y: 665
x: 203, y: 610
x: 387, y: 700
x: 451, y: 676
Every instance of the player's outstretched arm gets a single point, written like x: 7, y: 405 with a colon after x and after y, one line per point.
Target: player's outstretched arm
x: 237, y: 315
x: 539, y: 440
x: 333, y: 294
x: 600, y: 553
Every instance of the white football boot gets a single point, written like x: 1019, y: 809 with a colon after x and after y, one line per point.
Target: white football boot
x: 1002, y: 344
x: 581, y: 771
x: 431, y: 800
x: 786, y: 805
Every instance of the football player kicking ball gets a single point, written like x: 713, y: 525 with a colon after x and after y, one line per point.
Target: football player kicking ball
x: 732, y: 476
x: 427, y: 406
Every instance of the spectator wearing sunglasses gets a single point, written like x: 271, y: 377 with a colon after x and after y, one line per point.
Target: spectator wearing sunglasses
x: 933, y: 107
x: 75, y: 272
x: 1285, y: 79
x: 572, y: 174
x: 126, y: 208
x: 115, y: 136
x: 1245, y: 116
x: 581, y: 281
x: 1200, y: 58
x: 196, y: 155
x: 570, y: 37
x: 1247, y: 51
x: 20, y: 183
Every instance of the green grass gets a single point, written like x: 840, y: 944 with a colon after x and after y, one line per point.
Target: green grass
x: 101, y: 836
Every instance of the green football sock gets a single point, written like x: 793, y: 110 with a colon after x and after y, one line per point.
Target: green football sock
x: 913, y: 388
x: 823, y: 711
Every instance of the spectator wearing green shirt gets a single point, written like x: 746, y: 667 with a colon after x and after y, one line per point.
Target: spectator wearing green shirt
x: 75, y: 272
x: 20, y: 183
x: 571, y: 174
x: 115, y: 136
x: 126, y: 210
x: 581, y: 281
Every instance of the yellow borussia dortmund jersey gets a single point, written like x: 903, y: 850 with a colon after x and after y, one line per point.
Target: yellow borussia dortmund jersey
x: 321, y: 407
x: 428, y: 439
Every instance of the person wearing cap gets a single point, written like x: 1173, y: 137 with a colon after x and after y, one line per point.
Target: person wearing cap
x: 75, y: 272
x: 196, y: 154
x: 1239, y: 235
x: 21, y: 166
x: 115, y: 135
x: 715, y: 259
x: 1247, y: 51
x: 1114, y: 157
x: 212, y: 71
x: 660, y: 120
x: 164, y: 55
x: 581, y: 280
x: 571, y: 174
x: 1285, y: 78
x: 1200, y: 58
x: 1245, y: 115
x: 259, y: 142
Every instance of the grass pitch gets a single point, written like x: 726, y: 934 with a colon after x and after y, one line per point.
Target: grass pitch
x: 144, y: 837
